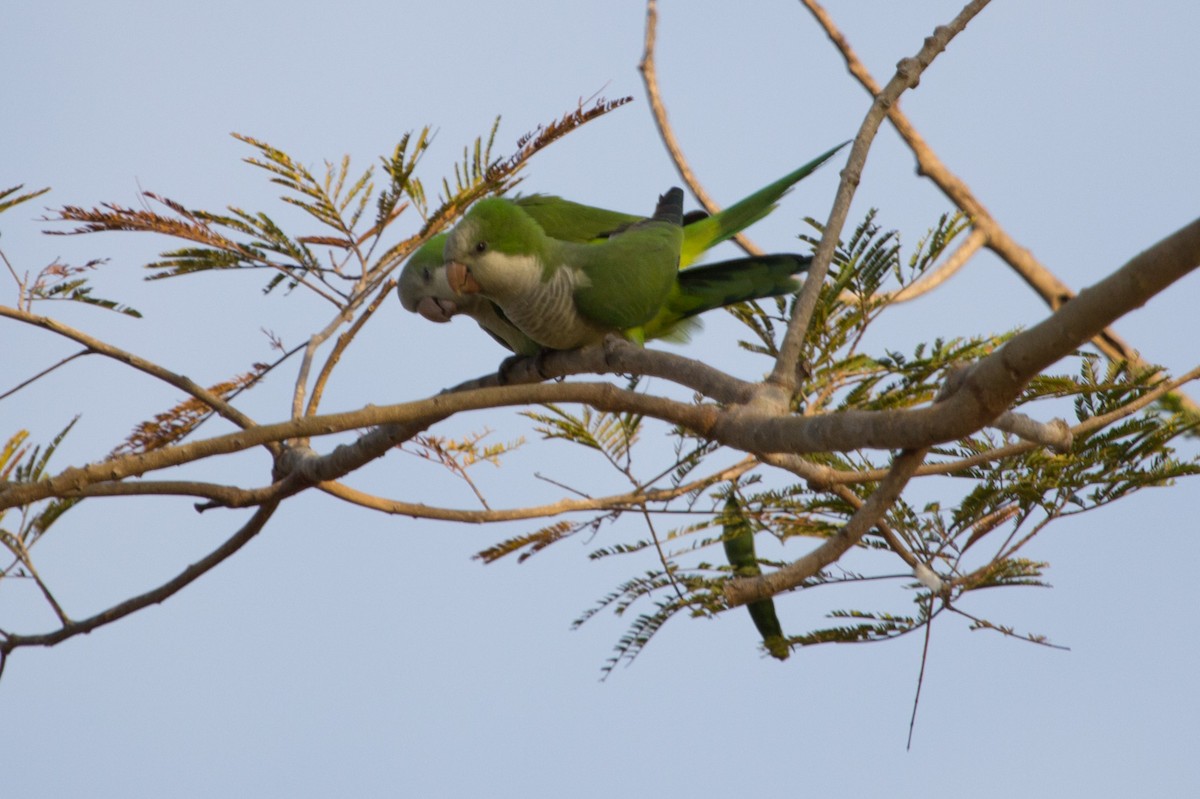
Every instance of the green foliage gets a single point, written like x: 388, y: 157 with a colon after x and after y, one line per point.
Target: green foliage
x: 1005, y: 497
x: 62, y: 282
x: 56, y: 281
x: 7, y: 200
x: 995, y: 494
x: 348, y: 255
x: 612, y: 434
x: 21, y: 464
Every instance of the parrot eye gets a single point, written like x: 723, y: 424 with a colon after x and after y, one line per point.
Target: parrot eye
x: 425, y: 274
x: 481, y: 246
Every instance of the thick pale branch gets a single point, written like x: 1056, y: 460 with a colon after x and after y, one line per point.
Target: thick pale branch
x: 992, y: 384
x: 983, y: 394
x: 620, y: 356
x: 822, y: 477
x: 1055, y: 434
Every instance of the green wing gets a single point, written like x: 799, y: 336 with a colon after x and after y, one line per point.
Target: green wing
x: 629, y: 275
x: 568, y: 221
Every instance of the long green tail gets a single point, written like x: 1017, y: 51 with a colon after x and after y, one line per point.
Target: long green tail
x: 710, y: 231
x: 703, y: 288
x: 739, y: 549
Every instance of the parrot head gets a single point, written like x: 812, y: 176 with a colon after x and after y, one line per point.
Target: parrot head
x: 425, y: 290
x: 422, y: 286
x: 494, y: 250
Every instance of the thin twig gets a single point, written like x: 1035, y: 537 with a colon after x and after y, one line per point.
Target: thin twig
x: 42, y: 374
x: 946, y: 270
x: 153, y: 597
x: 142, y: 365
x: 912, y: 721
x: 17, y: 547
x: 659, y: 110
x: 344, y: 341
x: 613, y: 502
x: 882, y: 527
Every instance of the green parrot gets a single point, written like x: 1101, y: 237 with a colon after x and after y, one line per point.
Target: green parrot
x: 423, y: 287
x: 739, y: 549
x: 563, y: 294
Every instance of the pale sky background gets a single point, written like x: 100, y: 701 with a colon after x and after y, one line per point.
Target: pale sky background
x: 345, y: 653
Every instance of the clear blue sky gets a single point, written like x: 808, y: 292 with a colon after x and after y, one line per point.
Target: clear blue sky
x: 346, y: 653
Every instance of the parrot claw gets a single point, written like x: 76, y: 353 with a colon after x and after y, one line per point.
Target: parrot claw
x: 613, y: 344
x: 505, y: 375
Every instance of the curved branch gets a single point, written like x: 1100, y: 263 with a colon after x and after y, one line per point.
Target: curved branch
x: 1045, y: 283
x: 141, y: 364
x: 614, y: 502
x: 667, y: 133
x: 620, y: 356
x: 908, y: 74
x: 251, y: 528
x: 946, y: 270
x: 983, y: 394
x: 751, y: 589
x: 825, y: 477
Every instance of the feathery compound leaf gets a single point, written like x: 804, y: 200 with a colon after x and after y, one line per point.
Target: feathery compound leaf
x: 173, y: 425
x: 876, y: 627
x: 533, y: 542
x: 8, y: 201
x: 60, y: 281
x: 611, y: 434
x: 26, y: 466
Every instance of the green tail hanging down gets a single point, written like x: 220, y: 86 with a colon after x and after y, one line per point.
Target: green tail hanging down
x: 739, y: 549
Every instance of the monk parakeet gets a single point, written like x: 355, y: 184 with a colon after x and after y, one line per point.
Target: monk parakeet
x: 423, y: 287
x: 739, y: 549
x: 563, y: 294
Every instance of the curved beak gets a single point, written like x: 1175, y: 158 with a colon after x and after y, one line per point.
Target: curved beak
x: 436, y: 310
x: 460, y: 279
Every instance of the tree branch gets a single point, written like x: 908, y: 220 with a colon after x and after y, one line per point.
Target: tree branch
x: 142, y: 365
x: 614, y: 502
x: 9, y: 642
x: 908, y: 74
x: 1044, y: 282
x: 986, y: 391
x: 751, y: 589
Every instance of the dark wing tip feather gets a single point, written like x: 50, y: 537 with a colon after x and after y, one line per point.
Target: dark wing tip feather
x: 670, y: 207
